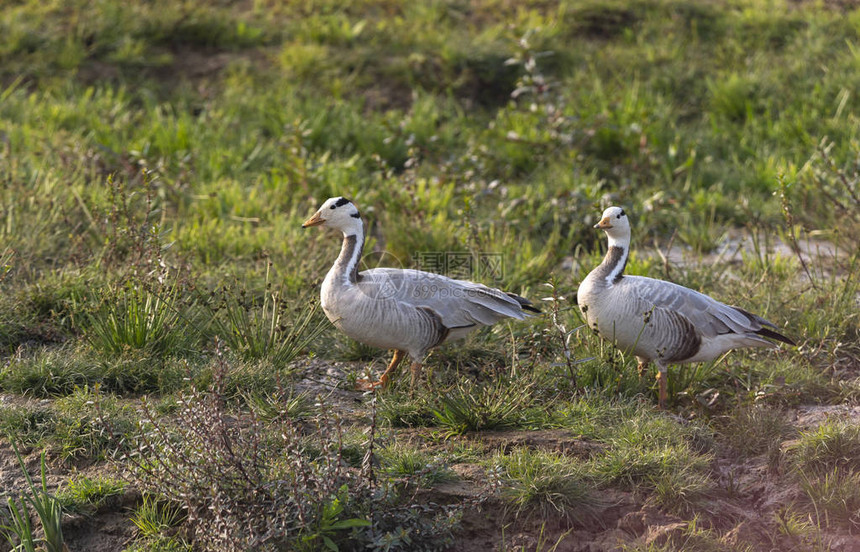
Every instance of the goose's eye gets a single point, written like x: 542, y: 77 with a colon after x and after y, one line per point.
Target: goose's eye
x: 333, y: 207
x: 621, y: 214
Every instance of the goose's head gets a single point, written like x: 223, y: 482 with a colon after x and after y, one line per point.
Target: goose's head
x: 339, y: 213
x: 615, y: 223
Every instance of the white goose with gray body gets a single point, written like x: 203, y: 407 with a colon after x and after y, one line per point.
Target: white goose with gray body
x: 410, y: 311
x: 661, y: 321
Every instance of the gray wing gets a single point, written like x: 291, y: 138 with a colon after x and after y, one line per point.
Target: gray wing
x: 708, y: 316
x: 458, y: 303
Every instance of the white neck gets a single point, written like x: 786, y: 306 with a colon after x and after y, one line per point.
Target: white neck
x: 622, y: 241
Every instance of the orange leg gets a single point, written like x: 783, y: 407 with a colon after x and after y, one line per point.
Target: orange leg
x: 662, y: 381
x: 366, y: 384
x: 641, y: 367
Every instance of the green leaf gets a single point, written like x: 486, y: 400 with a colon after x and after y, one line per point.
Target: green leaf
x: 349, y: 523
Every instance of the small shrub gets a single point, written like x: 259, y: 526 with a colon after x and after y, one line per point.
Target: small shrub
x: 248, y: 485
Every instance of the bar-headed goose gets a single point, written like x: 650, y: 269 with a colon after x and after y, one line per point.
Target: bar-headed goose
x: 657, y: 320
x: 410, y: 311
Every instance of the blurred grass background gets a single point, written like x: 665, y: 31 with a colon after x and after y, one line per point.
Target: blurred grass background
x: 492, y: 125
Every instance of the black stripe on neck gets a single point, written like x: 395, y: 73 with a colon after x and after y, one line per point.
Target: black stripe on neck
x: 350, y: 245
x: 615, y: 257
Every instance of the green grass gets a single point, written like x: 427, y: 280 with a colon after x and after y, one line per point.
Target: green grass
x: 835, y: 497
x: 831, y: 445
x: 404, y: 461
x: 152, y: 517
x: 650, y: 453
x: 133, y: 318
x: 546, y: 484
x: 693, y: 537
x: 82, y: 425
x: 88, y: 494
x: 158, y: 159
x: 756, y: 430
x: 497, y: 404
x: 267, y: 329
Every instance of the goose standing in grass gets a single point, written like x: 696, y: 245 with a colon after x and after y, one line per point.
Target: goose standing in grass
x: 409, y: 311
x: 660, y: 321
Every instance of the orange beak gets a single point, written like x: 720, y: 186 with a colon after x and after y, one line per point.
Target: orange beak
x: 315, y: 220
x: 604, y: 224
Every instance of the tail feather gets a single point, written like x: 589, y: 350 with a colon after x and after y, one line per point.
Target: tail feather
x: 525, y: 304
x: 766, y: 332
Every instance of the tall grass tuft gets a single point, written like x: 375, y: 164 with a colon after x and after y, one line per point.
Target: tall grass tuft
x: 136, y: 318
x: 547, y: 484
x: 152, y: 517
x: 257, y: 329
x: 829, y: 446
x: 47, y: 508
x: 756, y: 429
x: 835, y: 497
x: 494, y: 405
x: 87, y: 494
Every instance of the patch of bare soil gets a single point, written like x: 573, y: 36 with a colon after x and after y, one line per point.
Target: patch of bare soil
x: 493, y: 526
x: 809, y: 417
x: 109, y: 529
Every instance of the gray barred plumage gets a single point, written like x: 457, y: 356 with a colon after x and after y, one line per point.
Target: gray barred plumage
x: 659, y: 321
x: 410, y: 311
